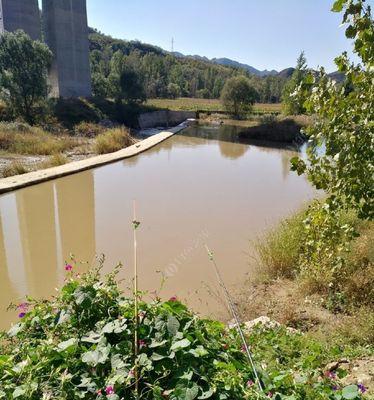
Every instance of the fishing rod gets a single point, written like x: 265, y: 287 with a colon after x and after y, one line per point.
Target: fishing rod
x: 136, y: 224
x: 235, y: 316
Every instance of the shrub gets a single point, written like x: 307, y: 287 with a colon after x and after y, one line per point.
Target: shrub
x: 54, y: 161
x: 14, y: 168
x: 113, y: 140
x: 88, y: 129
x: 81, y: 345
x: 71, y: 112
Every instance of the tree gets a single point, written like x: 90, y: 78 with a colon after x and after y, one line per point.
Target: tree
x: 23, y: 73
x: 238, y: 96
x: 174, y: 90
x: 132, y: 89
x: 344, y: 122
x: 293, y: 100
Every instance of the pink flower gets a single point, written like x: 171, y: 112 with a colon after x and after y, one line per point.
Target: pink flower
x: 68, y: 267
x: 23, y: 306
x: 99, y: 392
x: 21, y: 315
x: 141, y: 314
x: 330, y: 374
x: 174, y: 298
x: 131, y: 373
x: 270, y: 395
x: 109, y: 390
x: 244, y: 350
x: 142, y: 343
x: 250, y: 383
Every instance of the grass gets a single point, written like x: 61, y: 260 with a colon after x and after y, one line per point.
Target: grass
x: 14, y: 168
x: 54, y: 161
x: 206, y: 105
x: 23, y: 139
x: 113, y: 140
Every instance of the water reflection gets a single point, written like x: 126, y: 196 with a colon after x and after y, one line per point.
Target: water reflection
x: 199, y: 184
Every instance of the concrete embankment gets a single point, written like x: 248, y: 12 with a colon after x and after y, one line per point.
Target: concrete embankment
x: 164, y: 118
x: 32, y: 178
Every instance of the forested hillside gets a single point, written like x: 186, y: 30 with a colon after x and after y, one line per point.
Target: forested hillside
x: 165, y: 75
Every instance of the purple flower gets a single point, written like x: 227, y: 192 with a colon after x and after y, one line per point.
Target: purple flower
x: 109, y: 390
x: 361, y: 388
x: 174, y: 298
x: 250, y: 383
x: 335, y: 388
x: 68, y: 267
x: 21, y: 315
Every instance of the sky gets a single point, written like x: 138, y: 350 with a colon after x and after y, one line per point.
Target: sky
x: 267, y: 34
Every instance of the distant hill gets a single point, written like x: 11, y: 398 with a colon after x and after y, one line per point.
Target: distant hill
x: 227, y: 62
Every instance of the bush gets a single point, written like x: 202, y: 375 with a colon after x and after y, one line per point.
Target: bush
x: 14, y: 168
x: 81, y: 345
x: 55, y: 161
x: 71, y: 112
x: 113, y: 140
x: 88, y: 129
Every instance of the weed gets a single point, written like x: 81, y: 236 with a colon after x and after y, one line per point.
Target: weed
x: 113, y: 140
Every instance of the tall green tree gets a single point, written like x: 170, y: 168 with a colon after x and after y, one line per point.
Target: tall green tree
x: 344, y: 121
x: 132, y: 88
x: 293, y: 99
x: 238, y: 96
x: 23, y: 73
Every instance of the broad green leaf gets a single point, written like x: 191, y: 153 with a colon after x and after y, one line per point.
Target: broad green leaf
x: 18, y: 392
x: 67, y: 344
x: 172, y: 325
x: 350, y: 392
x: 98, y: 356
x: 199, y: 352
x: 185, y: 392
x: 181, y: 344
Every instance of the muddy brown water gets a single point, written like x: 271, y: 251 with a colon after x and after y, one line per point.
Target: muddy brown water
x: 200, y: 186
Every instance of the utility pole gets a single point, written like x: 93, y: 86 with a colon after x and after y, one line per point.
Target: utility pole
x: 172, y: 45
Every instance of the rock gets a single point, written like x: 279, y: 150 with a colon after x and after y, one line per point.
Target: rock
x: 265, y: 322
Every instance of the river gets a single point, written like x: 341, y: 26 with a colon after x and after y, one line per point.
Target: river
x: 200, y: 186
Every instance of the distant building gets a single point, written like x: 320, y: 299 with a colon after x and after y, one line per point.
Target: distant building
x: 66, y: 33
x: 20, y: 14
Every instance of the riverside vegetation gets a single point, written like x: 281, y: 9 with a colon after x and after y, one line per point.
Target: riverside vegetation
x: 81, y: 345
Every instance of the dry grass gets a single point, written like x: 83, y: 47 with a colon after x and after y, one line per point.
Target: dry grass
x: 88, y: 129
x: 23, y: 139
x: 113, y: 140
x: 205, y: 105
x: 54, y: 161
x: 14, y: 168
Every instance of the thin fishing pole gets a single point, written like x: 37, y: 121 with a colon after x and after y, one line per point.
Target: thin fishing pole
x: 136, y: 317
x: 235, y: 316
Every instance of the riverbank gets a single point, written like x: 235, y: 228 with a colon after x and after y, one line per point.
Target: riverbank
x: 335, y: 310
x: 32, y: 178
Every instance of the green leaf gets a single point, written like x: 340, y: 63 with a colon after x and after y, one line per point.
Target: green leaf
x: 199, y: 352
x: 18, y: 392
x: 16, y: 329
x: 181, y: 344
x: 172, y: 325
x: 206, y: 395
x: 338, y: 5
x: 63, y: 346
x: 98, y: 356
x: 350, y: 392
x: 185, y: 392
